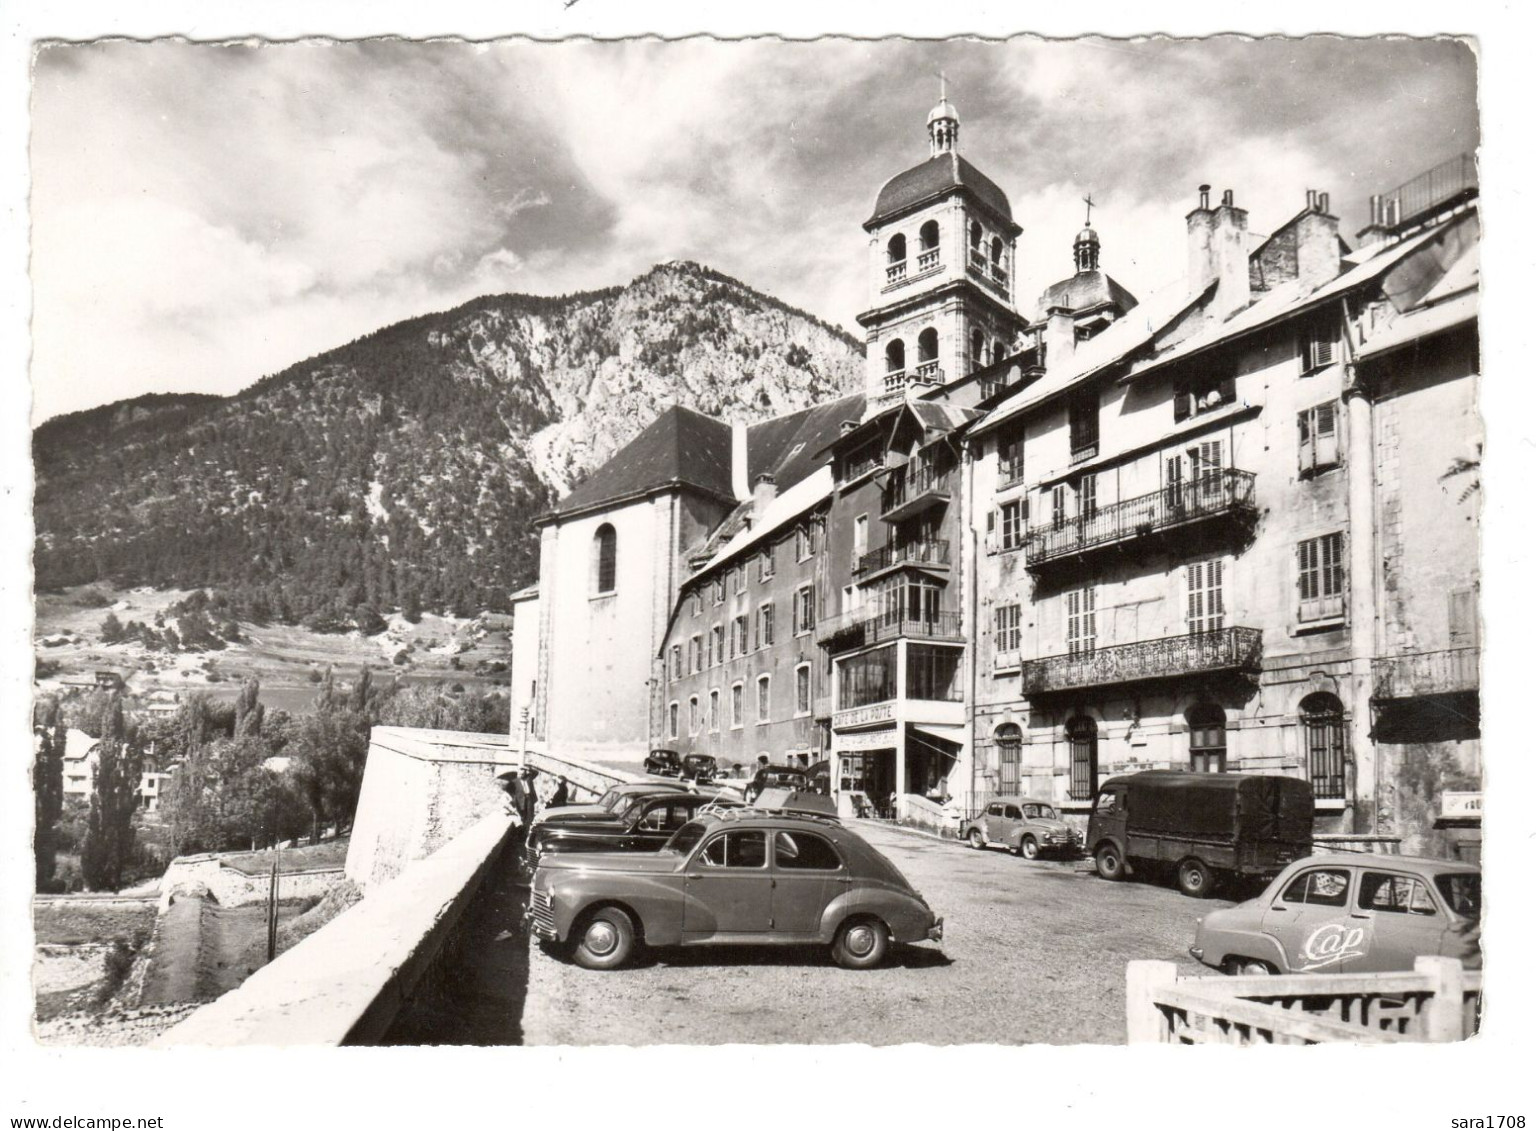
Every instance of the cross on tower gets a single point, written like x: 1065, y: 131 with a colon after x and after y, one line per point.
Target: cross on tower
x: 1088, y: 200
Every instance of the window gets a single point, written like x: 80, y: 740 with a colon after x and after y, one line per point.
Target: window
x: 739, y: 848
x: 695, y: 654
x: 1398, y: 895
x: 1006, y: 628
x: 928, y: 235
x: 1207, y: 739
x: 978, y: 349
x: 1205, y: 610
x: 693, y: 714
x: 764, y: 700
x: 765, y: 626
x: 933, y: 673
x: 696, y: 600
x: 677, y: 661
x: 672, y: 713
x: 896, y: 249
x: 663, y: 817
x: 605, y: 560
x: 737, y: 708
x: 1010, y: 455
x: 1202, y: 394
x: 1010, y: 749
x: 895, y: 356
x: 803, y: 689
x: 1012, y: 517
x: 1083, y: 743
x: 861, y: 535
x: 1322, y: 730
x: 1087, y: 497
x: 927, y: 345
x: 1324, y: 887
x: 1082, y: 622
x: 765, y: 564
x: 714, y: 711
x: 740, y: 573
x: 1318, y: 439
x: 1058, y: 506
x: 867, y: 678
x: 717, y: 589
x: 1083, y: 424
x: 805, y: 610
x: 998, y: 353
x: 716, y: 645
x: 804, y: 851
x: 999, y: 268
x: 1319, y: 343
x: 739, y: 638
x: 1320, y: 578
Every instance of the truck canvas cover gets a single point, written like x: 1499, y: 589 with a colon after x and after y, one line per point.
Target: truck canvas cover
x: 1253, y: 807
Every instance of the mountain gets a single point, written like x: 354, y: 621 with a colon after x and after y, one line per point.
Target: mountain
x: 405, y: 468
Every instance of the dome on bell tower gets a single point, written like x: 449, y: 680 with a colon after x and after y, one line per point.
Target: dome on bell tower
x: 943, y: 128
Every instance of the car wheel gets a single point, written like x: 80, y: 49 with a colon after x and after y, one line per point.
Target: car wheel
x: 1029, y: 848
x: 977, y: 840
x: 607, y: 940
x: 1108, y: 862
x: 861, y: 944
x: 1196, y: 879
x: 1239, y: 965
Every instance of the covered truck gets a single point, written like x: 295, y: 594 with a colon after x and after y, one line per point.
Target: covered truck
x: 1206, y: 826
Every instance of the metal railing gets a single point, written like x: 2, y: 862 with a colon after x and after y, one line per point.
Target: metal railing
x: 860, y: 627
x: 1424, y: 673
x: 1214, y: 493
x: 1219, y: 650
x: 932, y: 551
x: 1424, y: 192
x: 912, y: 483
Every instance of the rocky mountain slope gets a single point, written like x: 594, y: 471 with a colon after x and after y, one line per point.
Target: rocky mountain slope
x: 404, y: 469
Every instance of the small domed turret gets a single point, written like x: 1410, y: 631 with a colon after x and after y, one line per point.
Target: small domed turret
x: 943, y: 128
x: 1085, y: 250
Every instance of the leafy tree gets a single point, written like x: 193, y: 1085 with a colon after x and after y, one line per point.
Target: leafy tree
x: 108, y: 843
x: 249, y: 710
x: 48, y: 792
x: 111, y: 629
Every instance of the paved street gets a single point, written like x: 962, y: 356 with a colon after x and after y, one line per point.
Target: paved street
x: 1033, y: 952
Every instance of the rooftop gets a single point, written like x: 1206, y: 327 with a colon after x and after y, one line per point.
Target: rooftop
x: 935, y: 178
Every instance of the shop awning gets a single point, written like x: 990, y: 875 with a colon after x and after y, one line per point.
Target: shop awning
x: 955, y: 734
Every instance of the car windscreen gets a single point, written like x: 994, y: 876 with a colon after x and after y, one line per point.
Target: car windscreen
x: 1463, y: 892
x: 1040, y: 811
x: 611, y: 799
x: 684, y: 840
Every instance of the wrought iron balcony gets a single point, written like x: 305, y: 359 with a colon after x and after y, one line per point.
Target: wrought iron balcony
x: 931, y: 552
x: 1224, y: 649
x: 1226, y: 493
x: 1424, y: 673
x: 859, y: 627
x: 913, y: 489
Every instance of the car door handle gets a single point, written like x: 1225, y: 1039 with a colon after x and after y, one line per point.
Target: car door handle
x: 1279, y: 907
x: 1359, y: 914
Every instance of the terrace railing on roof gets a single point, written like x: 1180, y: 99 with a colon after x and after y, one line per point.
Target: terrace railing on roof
x: 1425, y: 192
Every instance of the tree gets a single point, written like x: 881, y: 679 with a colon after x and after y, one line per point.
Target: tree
x: 111, y: 629
x: 249, y: 711
x: 109, y: 830
x: 48, y: 792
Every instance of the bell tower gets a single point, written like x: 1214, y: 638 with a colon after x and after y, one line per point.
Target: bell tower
x: 942, y: 242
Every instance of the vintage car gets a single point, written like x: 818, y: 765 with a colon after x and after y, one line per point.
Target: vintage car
x: 775, y: 777
x: 735, y: 876
x: 643, y: 822
x: 1350, y: 913
x: 664, y: 763
x: 701, y: 768
x: 1024, y: 826
x: 603, y: 808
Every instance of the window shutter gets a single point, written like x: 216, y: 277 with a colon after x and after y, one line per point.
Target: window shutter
x: 1463, y: 618
x: 1306, y: 449
x: 1180, y: 404
x: 1327, y: 435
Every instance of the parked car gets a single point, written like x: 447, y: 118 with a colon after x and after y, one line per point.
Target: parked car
x: 737, y: 876
x: 1206, y: 826
x: 701, y: 768
x: 1025, y: 826
x: 642, y: 823
x: 1349, y: 913
x: 603, y: 808
x: 664, y: 763
x: 818, y: 778
x: 776, y: 777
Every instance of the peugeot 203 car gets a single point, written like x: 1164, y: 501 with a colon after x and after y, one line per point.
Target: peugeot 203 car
x: 1349, y: 913
x: 1025, y: 826
x: 736, y: 876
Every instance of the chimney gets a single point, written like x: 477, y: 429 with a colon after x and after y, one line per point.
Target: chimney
x: 764, y: 491
x: 1060, y: 337
x: 1218, y: 249
x: 1317, y: 243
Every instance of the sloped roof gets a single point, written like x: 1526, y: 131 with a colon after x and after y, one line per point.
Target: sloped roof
x: 681, y: 448
x: 785, y: 508
x: 1087, y: 290
x: 791, y: 446
x: 935, y: 178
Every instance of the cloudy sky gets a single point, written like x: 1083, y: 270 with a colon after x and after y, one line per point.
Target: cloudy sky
x: 205, y: 215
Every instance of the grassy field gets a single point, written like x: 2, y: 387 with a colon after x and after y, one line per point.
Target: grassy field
x: 287, y: 659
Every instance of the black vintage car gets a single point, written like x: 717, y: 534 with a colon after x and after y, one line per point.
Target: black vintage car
x: 641, y: 823
x: 776, y: 777
x: 664, y: 763
x: 700, y: 768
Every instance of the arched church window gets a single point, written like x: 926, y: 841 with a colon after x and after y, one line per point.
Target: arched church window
x: 928, y: 345
x: 1322, y: 729
x: 1010, y: 745
x: 895, y: 356
x: 998, y: 353
x: 1083, y: 743
x: 928, y: 235
x: 978, y: 349
x: 997, y: 251
x: 1207, y: 738
x: 896, y: 249
x: 605, y: 559
x: 975, y: 234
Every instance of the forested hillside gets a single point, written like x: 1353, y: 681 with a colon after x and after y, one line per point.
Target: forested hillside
x: 405, y: 469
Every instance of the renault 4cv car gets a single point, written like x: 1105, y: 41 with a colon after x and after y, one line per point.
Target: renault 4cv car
x: 1025, y: 826
x: 642, y: 822
x: 1349, y: 913
x: 735, y: 876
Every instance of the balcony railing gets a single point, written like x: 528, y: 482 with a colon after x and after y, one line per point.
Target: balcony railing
x: 927, y: 373
x: 932, y: 552
x: 1424, y: 673
x: 859, y: 627
x: 911, y: 490
x: 1213, y: 494
x: 895, y: 272
x: 1425, y: 193
x: 1224, y: 649
x: 927, y: 261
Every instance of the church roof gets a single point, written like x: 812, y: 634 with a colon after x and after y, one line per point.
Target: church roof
x: 792, y: 446
x: 934, y: 178
x: 1087, y: 290
x: 680, y: 448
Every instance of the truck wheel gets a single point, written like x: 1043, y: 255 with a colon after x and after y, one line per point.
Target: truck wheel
x: 1196, y: 879
x: 977, y: 840
x: 1108, y: 862
x: 607, y: 940
x: 1238, y: 965
x: 1029, y: 848
x: 861, y: 944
